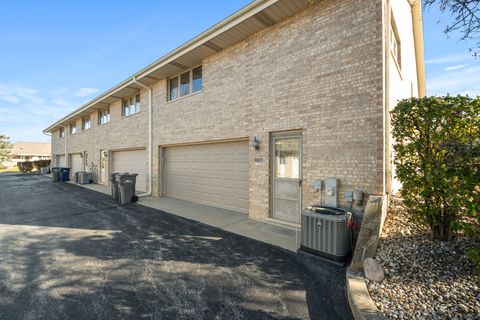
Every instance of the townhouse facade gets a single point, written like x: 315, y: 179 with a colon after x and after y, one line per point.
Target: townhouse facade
x: 251, y: 114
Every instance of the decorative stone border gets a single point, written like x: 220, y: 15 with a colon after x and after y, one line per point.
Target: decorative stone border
x: 361, y: 304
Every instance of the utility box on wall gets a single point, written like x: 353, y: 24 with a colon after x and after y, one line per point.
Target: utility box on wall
x: 331, y: 192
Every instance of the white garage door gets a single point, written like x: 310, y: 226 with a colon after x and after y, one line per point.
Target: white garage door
x: 77, y: 164
x: 60, y: 161
x: 134, y: 161
x: 214, y: 174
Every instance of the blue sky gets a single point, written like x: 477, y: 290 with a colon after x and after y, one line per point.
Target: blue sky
x: 56, y: 55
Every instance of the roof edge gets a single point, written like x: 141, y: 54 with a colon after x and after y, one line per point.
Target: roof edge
x: 235, y: 18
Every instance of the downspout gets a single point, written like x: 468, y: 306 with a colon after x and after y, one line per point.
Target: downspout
x: 418, y: 42
x: 386, y: 111
x: 65, y: 137
x: 51, y: 146
x: 150, y: 138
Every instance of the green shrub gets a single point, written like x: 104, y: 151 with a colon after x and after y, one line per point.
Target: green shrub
x: 437, y: 152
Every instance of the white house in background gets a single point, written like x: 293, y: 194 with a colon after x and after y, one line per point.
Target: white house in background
x: 30, y: 151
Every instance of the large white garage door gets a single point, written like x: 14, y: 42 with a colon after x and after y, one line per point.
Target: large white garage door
x: 134, y: 161
x: 214, y: 174
x: 77, y: 164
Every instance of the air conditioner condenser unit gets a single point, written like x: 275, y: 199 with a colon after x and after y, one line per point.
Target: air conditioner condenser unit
x: 327, y: 232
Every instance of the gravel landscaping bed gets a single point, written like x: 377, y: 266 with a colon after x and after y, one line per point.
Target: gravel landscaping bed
x: 423, y: 279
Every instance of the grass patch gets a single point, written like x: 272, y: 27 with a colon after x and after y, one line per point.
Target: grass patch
x: 14, y: 169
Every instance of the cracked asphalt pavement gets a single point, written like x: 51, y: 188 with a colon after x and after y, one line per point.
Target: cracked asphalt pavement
x: 70, y: 253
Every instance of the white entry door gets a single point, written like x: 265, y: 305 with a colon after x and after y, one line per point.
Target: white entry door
x: 103, y: 167
x: 287, y: 180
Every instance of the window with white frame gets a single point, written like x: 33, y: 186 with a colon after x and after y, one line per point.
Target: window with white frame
x: 104, y: 116
x: 73, y: 128
x: 185, y: 83
x: 131, y: 106
x: 61, y: 133
x: 395, y: 44
x: 86, y: 124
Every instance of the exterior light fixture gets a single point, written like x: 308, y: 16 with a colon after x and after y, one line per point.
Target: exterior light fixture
x: 255, y: 143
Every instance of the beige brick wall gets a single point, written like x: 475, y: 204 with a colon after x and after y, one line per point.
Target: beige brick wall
x: 320, y: 72
x: 119, y: 133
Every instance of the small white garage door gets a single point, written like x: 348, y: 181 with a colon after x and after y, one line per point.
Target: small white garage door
x: 214, y: 174
x: 133, y: 161
x: 60, y: 161
x: 77, y: 164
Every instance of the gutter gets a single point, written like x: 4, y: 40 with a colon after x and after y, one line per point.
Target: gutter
x: 150, y: 138
x: 418, y: 42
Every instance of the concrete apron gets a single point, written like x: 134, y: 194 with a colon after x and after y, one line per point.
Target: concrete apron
x: 281, y: 236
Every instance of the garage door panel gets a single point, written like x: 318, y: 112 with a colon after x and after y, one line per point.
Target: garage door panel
x: 61, y: 161
x: 76, y: 163
x: 132, y: 161
x: 213, y: 174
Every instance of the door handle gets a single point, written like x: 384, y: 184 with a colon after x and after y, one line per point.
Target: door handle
x: 300, y: 182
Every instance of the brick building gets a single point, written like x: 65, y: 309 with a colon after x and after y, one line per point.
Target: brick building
x: 247, y: 115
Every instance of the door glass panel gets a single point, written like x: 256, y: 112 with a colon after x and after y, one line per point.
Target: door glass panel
x: 287, y: 158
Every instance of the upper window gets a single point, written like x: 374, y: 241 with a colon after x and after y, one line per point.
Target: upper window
x: 185, y: 84
x: 86, y: 124
x: 104, y: 116
x: 61, y: 133
x: 73, y: 128
x: 131, y: 106
x: 395, y: 45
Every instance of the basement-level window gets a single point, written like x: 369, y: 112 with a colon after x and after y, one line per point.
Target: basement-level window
x: 131, y: 106
x: 104, y: 116
x: 86, y: 124
x: 185, y: 83
x: 61, y: 133
x: 73, y: 128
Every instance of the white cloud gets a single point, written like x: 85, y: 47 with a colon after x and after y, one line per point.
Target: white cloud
x: 457, y: 81
x: 449, y: 59
x: 9, y: 98
x: 453, y: 68
x: 84, y: 92
x: 25, y: 112
x: 15, y: 94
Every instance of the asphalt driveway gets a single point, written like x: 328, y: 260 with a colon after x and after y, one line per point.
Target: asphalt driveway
x: 71, y: 253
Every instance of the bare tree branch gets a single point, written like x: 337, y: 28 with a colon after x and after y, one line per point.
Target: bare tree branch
x: 466, y: 19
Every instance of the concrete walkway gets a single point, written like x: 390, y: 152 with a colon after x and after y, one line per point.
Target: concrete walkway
x: 239, y: 223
